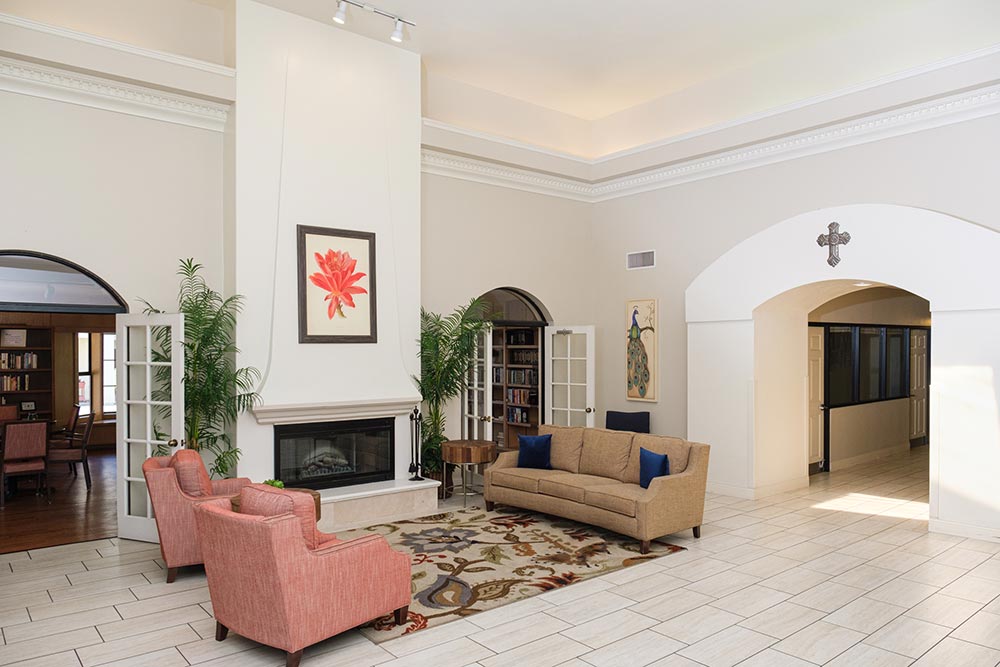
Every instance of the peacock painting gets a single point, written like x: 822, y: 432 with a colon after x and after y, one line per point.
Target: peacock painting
x: 641, y: 350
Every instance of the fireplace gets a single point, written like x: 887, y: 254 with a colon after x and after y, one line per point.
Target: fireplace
x: 323, y: 455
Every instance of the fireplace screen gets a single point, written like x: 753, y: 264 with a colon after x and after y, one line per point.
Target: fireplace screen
x: 328, y: 454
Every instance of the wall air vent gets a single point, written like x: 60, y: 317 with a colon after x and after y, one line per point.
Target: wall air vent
x: 645, y: 259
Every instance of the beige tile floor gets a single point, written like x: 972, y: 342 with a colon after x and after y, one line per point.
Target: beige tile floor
x: 843, y: 573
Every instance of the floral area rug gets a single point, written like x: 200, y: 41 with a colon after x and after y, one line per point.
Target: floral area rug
x: 471, y: 560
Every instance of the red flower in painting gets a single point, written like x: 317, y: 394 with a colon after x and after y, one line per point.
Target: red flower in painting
x: 337, y: 277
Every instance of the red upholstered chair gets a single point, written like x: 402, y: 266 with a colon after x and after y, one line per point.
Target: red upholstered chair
x: 25, y: 445
x: 269, y: 585
x: 8, y: 413
x: 176, y: 483
x: 65, y: 436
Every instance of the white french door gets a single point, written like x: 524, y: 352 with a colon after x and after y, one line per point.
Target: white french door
x: 918, y: 383
x: 477, y: 408
x: 150, y: 409
x: 569, y: 375
x: 817, y: 377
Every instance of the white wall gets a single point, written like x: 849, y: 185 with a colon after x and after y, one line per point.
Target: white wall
x: 861, y: 433
x: 351, y: 160
x: 123, y: 196
x: 192, y: 28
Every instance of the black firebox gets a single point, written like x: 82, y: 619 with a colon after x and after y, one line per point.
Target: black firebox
x: 323, y: 455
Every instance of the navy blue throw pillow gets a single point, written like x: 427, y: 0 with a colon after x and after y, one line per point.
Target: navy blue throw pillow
x: 534, y: 451
x: 651, y: 465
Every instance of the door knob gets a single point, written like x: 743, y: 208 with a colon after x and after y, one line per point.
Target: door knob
x: 589, y: 410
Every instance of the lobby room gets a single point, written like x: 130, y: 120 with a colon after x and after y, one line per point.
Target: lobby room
x: 481, y: 334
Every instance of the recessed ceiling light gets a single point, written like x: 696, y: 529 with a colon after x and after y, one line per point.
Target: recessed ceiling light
x: 341, y: 15
x: 862, y: 284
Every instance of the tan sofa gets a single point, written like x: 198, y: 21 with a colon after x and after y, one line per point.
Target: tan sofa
x: 595, y: 480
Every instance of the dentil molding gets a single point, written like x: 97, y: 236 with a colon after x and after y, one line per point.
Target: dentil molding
x: 917, y: 117
x: 27, y: 78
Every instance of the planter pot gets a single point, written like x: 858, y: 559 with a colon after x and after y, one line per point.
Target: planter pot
x: 447, y: 484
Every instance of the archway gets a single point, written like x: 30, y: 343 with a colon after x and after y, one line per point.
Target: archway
x: 58, y: 365
x: 949, y: 261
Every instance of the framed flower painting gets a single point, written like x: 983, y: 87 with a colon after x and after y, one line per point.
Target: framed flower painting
x: 336, y: 278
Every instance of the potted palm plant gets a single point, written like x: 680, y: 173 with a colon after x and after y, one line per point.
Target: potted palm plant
x: 447, y: 352
x: 216, y: 392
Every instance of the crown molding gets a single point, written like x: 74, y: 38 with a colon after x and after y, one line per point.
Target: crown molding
x: 26, y: 78
x: 903, y: 120
x: 87, y: 38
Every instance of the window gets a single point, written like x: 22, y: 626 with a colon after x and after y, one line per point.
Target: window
x: 84, y: 374
x: 109, y: 378
x: 866, y: 363
x: 896, y: 363
x: 869, y: 364
x: 840, y: 365
x: 96, y: 385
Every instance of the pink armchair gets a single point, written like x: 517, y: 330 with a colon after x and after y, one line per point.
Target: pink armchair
x: 268, y: 585
x: 176, y: 484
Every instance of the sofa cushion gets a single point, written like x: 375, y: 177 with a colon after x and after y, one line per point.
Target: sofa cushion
x: 266, y: 500
x: 606, y: 453
x: 618, y: 498
x: 677, y: 451
x: 567, y: 443
x: 522, y: 479
x: 569, y: 486
x: 191, y: 474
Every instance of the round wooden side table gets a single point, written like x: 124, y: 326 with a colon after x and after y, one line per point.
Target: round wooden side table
x: 465, y: 454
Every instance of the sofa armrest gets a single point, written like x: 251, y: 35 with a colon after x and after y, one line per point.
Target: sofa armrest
x: 504, y: 460
x: 675, y: 502
x: 230, y: 486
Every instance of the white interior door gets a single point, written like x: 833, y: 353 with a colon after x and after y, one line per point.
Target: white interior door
x: 817, y: 376
x: 569, y: 375
x: 477, y: 408
x: 150, y: 409
x: 918, y: 383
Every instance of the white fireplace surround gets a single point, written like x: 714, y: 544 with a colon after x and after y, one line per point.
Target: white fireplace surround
x: 306, y: 413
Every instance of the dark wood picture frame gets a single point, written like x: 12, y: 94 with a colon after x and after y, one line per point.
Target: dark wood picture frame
x: 304, y: 268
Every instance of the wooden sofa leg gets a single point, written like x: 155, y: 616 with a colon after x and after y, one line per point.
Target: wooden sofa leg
x: 171, y: 574
x: 401, y: 614
x: 644, y: 546
x: 221, y: 631
x: 490, y: 505
x: 697, y: 532
x: 293, y: 659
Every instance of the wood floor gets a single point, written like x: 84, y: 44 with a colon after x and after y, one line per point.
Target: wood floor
x: 28, y: 522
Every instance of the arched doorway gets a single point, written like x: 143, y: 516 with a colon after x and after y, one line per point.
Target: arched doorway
x: 757, y: 435
x: 505, y: 395
x: 58, y: 352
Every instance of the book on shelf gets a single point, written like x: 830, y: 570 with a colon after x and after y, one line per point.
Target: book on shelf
x: 522, y: 376
x: 524, y: 357
x: 15, y: 383
x: 14, y: 361
x: 522, y: 396
x: 521, y: 337
x: 518, y: 416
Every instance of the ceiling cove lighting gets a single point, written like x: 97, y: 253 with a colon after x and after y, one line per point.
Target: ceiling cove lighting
x: 398, y: 21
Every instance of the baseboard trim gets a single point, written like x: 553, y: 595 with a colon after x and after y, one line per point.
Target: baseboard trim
x: 729, y: 490
x: 868, y: 457
x: 984, y: 533
x: 758, y: 492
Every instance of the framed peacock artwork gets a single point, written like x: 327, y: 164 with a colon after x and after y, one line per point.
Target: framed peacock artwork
x: 336, y: 282
x: 640, y: 350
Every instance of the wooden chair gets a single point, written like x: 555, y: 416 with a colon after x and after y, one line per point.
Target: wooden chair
x: 64, y: 436
x: 25, y: 447
x: 77, y: 451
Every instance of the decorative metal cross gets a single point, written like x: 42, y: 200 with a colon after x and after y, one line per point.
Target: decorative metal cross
x: 834, y: 239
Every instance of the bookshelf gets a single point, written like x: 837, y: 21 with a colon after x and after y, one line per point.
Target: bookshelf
x: 516, y: 383
x: 26, y: 370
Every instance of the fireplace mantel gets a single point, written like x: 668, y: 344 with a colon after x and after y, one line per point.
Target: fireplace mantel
x: 304, y: 413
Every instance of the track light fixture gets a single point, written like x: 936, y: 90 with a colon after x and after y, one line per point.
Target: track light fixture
x: 397, y: 32
x: 341, y: 15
